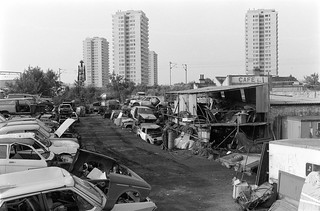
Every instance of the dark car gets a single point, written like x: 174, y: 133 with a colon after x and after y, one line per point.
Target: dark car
x: 109, y: 106
x: 118, y: 182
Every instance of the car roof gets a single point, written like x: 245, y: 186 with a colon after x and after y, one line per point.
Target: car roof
x: 143, y: 107
x: 19, y: 127
x: 149, y: 125
x: 18, y: 135
x: 11, y: 140
x: 30, y: 181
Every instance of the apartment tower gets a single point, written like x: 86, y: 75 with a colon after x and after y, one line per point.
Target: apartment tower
x: 96, y: 61
x: 153, y: 68
x: 131, y: 45
x: 262, y: 42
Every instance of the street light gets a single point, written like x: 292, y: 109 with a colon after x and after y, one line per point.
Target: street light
x: 171, y: 65
x: 185, y: 68
x: 59, y: 74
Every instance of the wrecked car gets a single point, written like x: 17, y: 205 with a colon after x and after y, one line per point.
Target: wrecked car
x: 56, y: 189
x: 108, y: 106
x: 143, y: 114
x: 151, y: 133
x: 118, y: 182
x: 19, y: 154
x: 67, y: 146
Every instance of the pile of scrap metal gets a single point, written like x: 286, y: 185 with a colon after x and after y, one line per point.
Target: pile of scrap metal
x: 186, y: 137
x: 204, y: 149
x: 252, y: 197
x: 241, y: 162
x: 177, y: 136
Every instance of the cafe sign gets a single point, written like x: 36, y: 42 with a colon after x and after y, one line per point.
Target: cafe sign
x: 246, y: 79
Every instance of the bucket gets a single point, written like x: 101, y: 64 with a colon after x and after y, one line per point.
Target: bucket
x: 204, y: 134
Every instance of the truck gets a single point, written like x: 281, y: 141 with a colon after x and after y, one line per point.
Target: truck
x: 20, y: 106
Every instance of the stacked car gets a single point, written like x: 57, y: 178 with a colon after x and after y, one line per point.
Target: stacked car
x: 42, y: 168
x: 141, y: 119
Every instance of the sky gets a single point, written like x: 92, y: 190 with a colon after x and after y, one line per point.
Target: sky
x: 206, y: 35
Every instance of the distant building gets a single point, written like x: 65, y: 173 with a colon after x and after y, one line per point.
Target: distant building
x: 286, y: 84
x: 131, y: 45
x: 96, y: 61
x: 153, y: 68
x: 7, y: 76
x: 262, y: 42
x: 203, y: 82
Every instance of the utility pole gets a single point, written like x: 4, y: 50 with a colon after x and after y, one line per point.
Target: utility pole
x: 171, y: 65
x: 59, y: 74
x: 185, y: 68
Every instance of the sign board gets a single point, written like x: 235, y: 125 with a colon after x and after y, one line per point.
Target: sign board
x: 248, y: 79
x: 221, y: 79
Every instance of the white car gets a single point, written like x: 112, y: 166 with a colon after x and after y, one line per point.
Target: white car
x: 56, y: 189
x: 151, y: 133
x: 19, y: 154
x: 67, y: 146
x: 64, y: 152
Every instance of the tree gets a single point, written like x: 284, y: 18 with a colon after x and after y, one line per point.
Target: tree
x: 209, y: 81
x: 312, y: 81
x: 35, y: 81
x: 119, y: 87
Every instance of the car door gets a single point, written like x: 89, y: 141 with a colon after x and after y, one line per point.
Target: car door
x: 68, y: 199
x: 143, y: 133
x: 3, y: 157
x: 23, y: 157
x: 26, y: 202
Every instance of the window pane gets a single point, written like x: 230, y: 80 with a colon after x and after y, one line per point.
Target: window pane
x: 3, y: 151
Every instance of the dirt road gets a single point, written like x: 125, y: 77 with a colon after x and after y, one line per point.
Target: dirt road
x: 179, y: 180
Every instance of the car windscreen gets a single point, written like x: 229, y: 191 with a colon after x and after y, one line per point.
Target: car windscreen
x: 89, y: 189
x: 41, y: 149
x: 65, y: 106
x: 152, y: 131
x: 43, y: 125
x: 39, y: 137
x: 145, y: 111
x: 44, y: 132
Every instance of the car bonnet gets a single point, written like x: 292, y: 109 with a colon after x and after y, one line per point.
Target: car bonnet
x: 65, y: 125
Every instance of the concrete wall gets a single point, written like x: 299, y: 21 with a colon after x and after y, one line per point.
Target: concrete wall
x: 293, y: 110
x: 306, y: 93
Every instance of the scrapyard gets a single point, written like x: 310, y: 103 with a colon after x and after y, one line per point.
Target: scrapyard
x: 233, y: 147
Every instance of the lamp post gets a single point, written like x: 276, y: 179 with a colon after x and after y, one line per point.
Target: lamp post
x: 171, y: 65
x: 185, y: 68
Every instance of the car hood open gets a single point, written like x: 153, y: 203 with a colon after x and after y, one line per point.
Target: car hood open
x: 85, y: 156
x: 65, y: 125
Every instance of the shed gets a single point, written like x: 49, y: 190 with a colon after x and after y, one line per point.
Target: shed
x: 301, y: 127
x: 257, y: 94
x: 299, y: 109
x: 295, y: 156
x: 218, y: 108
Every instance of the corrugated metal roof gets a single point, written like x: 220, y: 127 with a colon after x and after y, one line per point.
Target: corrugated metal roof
x: 292, y: 100
x: 298, y: 142
x: 214, y: 89
x: 304, y: 118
